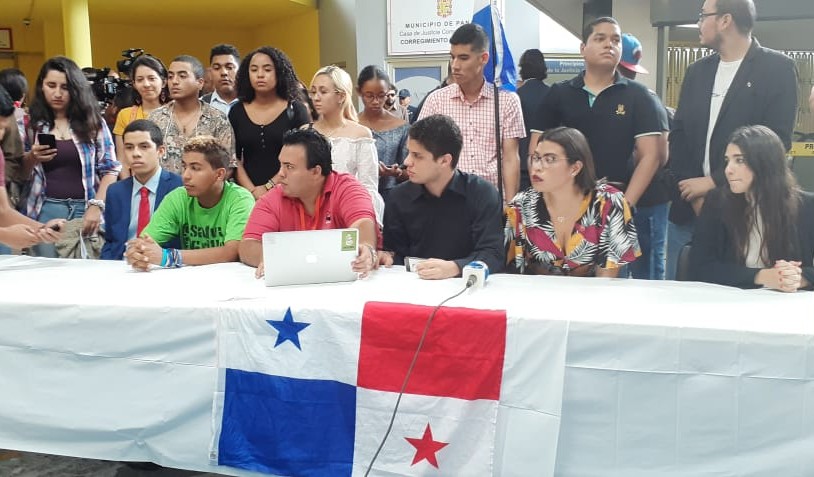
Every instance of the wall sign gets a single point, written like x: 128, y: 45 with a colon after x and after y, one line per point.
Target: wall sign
x: 6, y: 42
x: 423, y: 27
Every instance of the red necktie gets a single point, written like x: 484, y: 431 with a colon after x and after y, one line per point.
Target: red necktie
x: 143, y: 210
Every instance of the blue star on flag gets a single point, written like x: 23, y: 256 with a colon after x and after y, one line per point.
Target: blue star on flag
x: 288, y: 329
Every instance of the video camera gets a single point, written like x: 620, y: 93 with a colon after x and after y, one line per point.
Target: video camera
x: 130, y: 56
x: 106, y: 87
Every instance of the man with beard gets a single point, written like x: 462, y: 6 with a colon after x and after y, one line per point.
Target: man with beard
x: 393, y: 107
x: 741, y: 84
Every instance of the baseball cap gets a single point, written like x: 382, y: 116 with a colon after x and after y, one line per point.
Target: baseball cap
x: 632, y: 54
x: 405, y: 93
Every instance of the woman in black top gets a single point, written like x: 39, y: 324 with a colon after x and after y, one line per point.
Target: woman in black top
x: 759, y: 229
x: 270, y: 105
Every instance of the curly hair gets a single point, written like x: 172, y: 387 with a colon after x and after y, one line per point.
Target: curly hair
x: 287, y: 80
x: 83, y: 110
x: 215, y: 154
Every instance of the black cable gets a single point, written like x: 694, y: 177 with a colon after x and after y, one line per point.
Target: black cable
x: 410, y: 371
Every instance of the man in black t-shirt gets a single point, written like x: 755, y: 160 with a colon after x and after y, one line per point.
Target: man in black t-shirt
x: 533, y: 70
x: 616, y: 115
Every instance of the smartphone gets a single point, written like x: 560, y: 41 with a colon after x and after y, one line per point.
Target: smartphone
x: 402, y: 166
x: 47, y: 140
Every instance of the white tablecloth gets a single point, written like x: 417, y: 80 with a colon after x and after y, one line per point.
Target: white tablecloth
x: 658, y: 378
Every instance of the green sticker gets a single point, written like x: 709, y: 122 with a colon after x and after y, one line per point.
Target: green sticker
x: 349, y: 240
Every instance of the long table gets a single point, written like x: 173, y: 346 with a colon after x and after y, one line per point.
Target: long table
x: 655, y: 378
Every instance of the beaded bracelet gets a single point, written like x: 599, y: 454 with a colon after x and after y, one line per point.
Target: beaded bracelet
x: 171, y: 258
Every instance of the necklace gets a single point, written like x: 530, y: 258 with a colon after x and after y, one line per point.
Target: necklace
x: 560, y: 219
x: 62, y: 132
x: 185, y: 125
x: 334, y: 130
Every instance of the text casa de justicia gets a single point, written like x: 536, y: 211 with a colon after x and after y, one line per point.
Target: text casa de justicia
x: 423, y: 31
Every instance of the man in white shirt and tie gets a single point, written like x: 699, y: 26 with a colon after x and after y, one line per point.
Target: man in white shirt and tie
x: 131, y: 202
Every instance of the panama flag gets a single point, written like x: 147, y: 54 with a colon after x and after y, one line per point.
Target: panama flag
x: 311, y: 392
x: 500, y: 57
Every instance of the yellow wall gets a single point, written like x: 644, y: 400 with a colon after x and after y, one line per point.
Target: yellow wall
x: 163, y: 42
x: 298, y: 37
x: 28, y: 45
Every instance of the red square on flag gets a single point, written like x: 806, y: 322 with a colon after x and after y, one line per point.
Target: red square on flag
x: 462, y: 355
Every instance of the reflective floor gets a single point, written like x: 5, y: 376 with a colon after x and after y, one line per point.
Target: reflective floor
x: 17, y: 464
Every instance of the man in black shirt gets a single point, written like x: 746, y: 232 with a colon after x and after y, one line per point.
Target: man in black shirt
x: 533, y: 70
x: 442, y: 214
x: 616, y: 115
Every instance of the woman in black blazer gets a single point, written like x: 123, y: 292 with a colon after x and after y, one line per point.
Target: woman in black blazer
x: 759, y: 229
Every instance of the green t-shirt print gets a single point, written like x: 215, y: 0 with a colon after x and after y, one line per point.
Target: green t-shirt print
x: 180, y: 215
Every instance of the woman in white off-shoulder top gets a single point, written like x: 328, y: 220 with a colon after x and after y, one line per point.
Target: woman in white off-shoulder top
x: 353, y: 149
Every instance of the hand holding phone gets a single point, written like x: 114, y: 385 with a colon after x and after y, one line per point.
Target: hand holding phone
x: 47, y: 140
x: 45, y: 148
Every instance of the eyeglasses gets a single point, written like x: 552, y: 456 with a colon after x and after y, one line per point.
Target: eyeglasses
x: 371, y: 96
x: 547, y: 160
x: 314, y: 93
x: 703, y: 15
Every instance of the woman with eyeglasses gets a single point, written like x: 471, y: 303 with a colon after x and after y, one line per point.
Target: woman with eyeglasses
x: 72, y: 160
x: 758, y: 230
x: 389, y: 132
x: 149, y: 93
x: 567, y: 222
x: 270, y: 105
x: 352, y: 147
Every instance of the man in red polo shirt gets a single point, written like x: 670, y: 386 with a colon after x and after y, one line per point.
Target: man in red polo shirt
x: 311, y: 196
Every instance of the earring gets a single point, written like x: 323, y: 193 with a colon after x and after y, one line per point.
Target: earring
x: 573, y: 174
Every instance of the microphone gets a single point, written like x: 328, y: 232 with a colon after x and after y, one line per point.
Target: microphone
x: 475, y: 274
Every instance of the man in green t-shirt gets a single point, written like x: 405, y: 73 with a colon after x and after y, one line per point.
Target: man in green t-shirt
x: 208, y: 214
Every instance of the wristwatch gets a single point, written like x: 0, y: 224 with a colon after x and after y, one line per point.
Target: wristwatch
x: 98, y: 203
x: 270, y: 184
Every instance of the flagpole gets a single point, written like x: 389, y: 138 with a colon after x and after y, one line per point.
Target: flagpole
x: 496, y: 89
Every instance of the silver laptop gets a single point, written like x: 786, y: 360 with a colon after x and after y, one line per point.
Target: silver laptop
x: 311, y: 256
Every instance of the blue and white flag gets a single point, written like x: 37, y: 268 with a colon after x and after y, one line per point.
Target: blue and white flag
x: 500, y: 57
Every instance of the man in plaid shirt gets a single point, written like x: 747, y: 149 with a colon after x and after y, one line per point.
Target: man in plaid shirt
x: 470, y: 102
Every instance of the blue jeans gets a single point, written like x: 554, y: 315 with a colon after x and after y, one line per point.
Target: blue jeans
x: 677, y: 237
x: 57, y: 209
x: 651, y: 228
x: 4, y: 250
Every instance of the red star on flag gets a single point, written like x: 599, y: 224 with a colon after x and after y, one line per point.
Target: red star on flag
x: 426, y: 447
